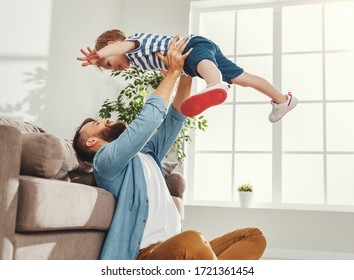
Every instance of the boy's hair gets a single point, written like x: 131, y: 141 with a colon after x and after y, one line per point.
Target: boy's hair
x: 109, y: 35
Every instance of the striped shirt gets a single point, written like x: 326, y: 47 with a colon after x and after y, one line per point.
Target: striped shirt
x: 145, y: 56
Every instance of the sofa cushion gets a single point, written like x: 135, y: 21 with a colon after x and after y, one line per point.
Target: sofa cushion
x: 69, y: 160
x: 43, y: 152
x: 41, y: 155
x: 21, y: 126
x: 47, y: 204
x: 176, y: 184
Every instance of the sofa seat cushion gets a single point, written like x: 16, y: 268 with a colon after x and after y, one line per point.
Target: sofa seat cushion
x: 46, y: 205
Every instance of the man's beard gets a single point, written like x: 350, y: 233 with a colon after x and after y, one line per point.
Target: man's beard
x: 113, y: 131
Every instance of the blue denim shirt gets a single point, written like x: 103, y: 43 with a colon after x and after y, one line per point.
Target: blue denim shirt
x: 117, y: 168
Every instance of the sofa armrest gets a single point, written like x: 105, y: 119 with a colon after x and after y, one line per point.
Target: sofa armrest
x: 10, y: 155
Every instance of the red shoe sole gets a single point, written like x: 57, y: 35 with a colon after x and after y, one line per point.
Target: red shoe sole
x: 198, y: 103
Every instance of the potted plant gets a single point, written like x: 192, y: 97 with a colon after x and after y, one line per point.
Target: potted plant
x: 245, y: 192
x: 132, y: 98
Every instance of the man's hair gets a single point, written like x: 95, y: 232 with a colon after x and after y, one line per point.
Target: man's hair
x: 79, y: 143
x: 109, y: 35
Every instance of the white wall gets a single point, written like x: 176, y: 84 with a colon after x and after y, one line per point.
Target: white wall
x: 59, y: 93
x: 72, y: 92
x: 167, y: 17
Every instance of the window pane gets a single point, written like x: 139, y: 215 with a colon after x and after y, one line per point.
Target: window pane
x: 339, y: 76
x: 246, y: 166
x: 261, y: 66
x: 302, y: 28
x: 340, y: 131
x: 340, y: 179
x: 253, y: 129
x: 219, y: 27
x: 303, y: 128
x: 302, y: 75
x: 26, y: 29
x: 255, y: 31
x: 339, y: 23
x: 218, y: 135
x: 21, y: 87
x: 303, y: 179
x: 212, y: 177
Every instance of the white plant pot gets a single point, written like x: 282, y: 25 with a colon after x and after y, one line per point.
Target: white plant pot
x: 245, y: 198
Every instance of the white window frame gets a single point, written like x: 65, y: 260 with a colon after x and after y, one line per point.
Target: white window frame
x: 198, y: 7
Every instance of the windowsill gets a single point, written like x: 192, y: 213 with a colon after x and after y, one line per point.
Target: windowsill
x: 225, y: 3
x: 268, y: 206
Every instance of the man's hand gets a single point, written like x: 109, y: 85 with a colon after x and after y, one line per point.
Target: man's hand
x: 174, y: 60
x: 90, y: 57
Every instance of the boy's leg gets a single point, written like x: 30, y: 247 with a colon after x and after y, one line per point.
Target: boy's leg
x: 214, y: 94
x: 281, y: 103
x: 209, y: 72
x: 260, y: 84
x: 241, y: 244
x: 188, y: 245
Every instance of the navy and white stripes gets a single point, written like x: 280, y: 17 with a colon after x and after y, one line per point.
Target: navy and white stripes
x: 145, y: 55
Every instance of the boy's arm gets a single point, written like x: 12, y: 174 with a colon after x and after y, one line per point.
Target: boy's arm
x: 117, y: 48
x: 91, y: 56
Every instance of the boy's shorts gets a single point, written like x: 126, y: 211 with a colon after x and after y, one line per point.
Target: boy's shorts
x: 203, y: 48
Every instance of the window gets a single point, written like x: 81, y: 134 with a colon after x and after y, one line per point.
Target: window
x: 305, y: 160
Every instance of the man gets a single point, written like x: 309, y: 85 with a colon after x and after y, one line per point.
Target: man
x: 126, y: 162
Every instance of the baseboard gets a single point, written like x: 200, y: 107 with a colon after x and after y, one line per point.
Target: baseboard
x: 291, y: 254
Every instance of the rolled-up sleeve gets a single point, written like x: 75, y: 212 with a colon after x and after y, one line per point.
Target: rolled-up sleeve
x: 163, y: 139
x: 114, y: 156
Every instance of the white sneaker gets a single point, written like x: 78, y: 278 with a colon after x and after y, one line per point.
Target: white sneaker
x: 279, y: 110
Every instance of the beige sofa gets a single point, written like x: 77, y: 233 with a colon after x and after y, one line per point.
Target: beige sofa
x: 50, y: 207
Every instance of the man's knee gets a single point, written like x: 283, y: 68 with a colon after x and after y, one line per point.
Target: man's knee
x: 197, y: 248
x: 257, y: 234
x: 191, y: 237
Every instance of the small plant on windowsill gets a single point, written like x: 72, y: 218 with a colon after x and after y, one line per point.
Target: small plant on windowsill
x: 245, y: 192
x: 131, y: 100
x: 245, y: 188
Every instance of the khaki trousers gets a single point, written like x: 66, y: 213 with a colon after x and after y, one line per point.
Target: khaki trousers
x: 241, y: 244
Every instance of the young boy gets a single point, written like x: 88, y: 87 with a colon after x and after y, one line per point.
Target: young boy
x: 116, y: 52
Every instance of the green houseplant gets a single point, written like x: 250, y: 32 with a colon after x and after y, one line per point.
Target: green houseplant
x: 245, y: 192
x: 131, y: 99
x: 245, y: 188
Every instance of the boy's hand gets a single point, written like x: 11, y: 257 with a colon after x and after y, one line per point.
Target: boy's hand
x: 91, y: 57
